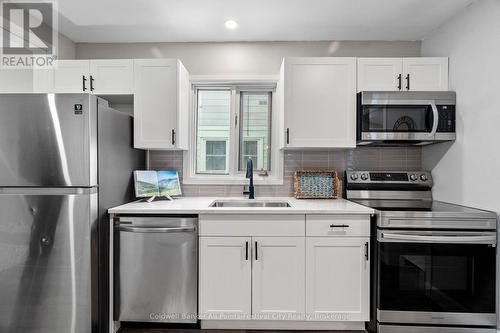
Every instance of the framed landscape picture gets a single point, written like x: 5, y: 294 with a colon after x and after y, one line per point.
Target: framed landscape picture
x: 168, y: 183
x: 146, y: 184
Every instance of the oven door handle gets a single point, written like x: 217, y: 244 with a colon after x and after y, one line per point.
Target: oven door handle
x: 459, y: 239
x: 435, y: 119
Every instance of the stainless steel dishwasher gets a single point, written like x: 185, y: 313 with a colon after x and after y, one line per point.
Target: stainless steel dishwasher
x: 156, y: 260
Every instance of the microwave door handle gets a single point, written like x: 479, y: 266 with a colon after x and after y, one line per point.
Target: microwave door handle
x: 435, y: 119
x: 488, y: 239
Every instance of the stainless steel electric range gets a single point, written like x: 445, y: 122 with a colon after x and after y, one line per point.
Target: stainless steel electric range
x: 435, y: 267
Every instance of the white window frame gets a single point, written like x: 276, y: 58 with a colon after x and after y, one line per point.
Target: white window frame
x: 235, y: 177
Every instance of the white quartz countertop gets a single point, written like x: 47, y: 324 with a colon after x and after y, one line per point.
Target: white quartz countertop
x: 201, y: 205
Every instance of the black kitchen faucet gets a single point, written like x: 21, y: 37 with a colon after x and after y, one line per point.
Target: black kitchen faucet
x: 251, y: 190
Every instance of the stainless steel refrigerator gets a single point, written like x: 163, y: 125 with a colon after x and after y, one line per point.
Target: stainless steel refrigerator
x: 64, y: 159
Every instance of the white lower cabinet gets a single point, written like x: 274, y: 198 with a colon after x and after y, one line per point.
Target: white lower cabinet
x: 337, y: 278
x: 263, y: 270
x: 225, y: 278
x: 278, y: 286
x: 241, y: 276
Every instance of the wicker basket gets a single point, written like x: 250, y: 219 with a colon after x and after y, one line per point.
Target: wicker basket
x: 316, y: 184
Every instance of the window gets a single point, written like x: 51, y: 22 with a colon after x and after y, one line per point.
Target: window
x: 249, y: 152
x: 231, y: 124
x: 255, y: 129
x: 213, y: 131
x: 215, y: 156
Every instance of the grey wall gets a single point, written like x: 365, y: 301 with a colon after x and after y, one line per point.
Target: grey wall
x: 66, y: 48
x: 467, y: 172
x: 249, y: 58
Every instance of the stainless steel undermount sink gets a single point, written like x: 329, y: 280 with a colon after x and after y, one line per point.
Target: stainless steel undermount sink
x: 250, y: 203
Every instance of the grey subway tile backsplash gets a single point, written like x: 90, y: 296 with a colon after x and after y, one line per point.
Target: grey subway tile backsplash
x: 376, y: 158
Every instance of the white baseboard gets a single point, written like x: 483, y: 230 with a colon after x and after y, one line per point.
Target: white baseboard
x: 282, y: 325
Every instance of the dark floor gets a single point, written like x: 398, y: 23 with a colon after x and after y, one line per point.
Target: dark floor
x: 171, y: 330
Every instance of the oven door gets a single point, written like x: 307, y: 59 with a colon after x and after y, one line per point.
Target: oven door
x: 436, y: 277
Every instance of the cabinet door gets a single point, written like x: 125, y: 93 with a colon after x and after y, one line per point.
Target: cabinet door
x: 380, y: 74
x: 16, y: 81
x: 155, y: 103
x: 425, y: 74
x: 320, y: 102
x: 278, y: 284
x: 337, y: 278
x: 112, y: 76
x: 225, y: 277
x: 43, y: 81
x: 72, y: 76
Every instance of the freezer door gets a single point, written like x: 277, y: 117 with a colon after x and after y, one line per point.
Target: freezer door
x: 48, y: 140
x: 45, y: 247
x: 117, y: 159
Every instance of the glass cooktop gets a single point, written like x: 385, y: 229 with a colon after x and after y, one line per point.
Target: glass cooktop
x: 414, y: 205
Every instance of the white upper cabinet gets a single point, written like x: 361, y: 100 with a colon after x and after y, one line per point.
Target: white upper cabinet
x: 112, y: 76
x: 278, y: 284
x: 403, y: 74
x: 338, y: 278
x: 161, y: 90
x: 26, y: 81
x: 380, y: 74
x: 71, y: 76
x: 225, y: 276
x: 425, y: 74
x: 105, y: 77
x: 16, y: 81
x: 319, y: 102
x: 161, y: 101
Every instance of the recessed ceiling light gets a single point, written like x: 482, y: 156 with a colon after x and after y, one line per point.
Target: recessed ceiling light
x: 231, y: 25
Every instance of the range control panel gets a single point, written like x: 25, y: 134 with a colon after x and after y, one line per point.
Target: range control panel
x: 389, y: 177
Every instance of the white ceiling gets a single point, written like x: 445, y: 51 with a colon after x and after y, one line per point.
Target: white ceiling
x: 259, y: 20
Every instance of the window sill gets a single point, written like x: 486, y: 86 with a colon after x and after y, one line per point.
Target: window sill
x: 228, y: 180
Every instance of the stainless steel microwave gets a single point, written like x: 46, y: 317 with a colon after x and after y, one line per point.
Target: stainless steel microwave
x: 405, y: 118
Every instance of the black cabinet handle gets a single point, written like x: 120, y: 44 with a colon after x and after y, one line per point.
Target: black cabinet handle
x: 408, y: 82
x: 246, y: 250
x: 339, y: 225
x: 173, y: 137
x: 400, y: 77
x: 367, y: 248
x: 287, y: 136
x: 84, y: 80
x: 91, y: 83
x: 256, y: 252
